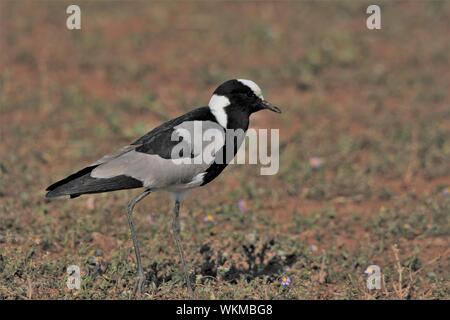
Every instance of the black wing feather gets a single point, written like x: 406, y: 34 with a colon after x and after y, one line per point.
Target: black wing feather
x: 201, y: 114
x: 81, y: 182
x: 158, y: 141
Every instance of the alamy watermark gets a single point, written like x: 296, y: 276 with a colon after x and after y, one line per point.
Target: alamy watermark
x: 197, y: 144
x: 74, y: 278
x: 373, y: 281
x: 73, y: 21
x: 373, y: 22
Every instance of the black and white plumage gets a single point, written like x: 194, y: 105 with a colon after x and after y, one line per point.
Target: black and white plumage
x: 149, y: 161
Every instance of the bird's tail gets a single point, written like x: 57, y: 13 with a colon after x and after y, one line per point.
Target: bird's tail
x: 81, y: 182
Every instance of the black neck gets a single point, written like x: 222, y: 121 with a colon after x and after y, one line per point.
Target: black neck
x: 237, y: 117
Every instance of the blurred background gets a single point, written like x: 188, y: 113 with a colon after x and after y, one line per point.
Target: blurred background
x: 364, y: 158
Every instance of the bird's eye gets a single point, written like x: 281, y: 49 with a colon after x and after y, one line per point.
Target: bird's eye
x: 249, y: 94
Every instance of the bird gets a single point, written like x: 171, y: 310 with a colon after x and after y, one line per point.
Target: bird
x: 167, y: 159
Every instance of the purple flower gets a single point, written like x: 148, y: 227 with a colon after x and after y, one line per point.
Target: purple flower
x: 285, y: 281
x: 446, y: 192
x: 316, y: 162
x: 150, y: 219
x: 90, y: 203
x: 242, y: 205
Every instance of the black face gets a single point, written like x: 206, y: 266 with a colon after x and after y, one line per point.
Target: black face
x: 243, y: 97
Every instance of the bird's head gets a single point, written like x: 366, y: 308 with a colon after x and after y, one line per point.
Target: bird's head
x: 238, y: 96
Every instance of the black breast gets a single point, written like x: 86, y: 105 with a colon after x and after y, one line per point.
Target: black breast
x: 238, y: 120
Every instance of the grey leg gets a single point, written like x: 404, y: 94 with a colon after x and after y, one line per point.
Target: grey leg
x: 176, y: 236
x: 140, y: 271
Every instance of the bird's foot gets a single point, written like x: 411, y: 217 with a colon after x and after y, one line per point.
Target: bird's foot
x: 190, y: 288
x: 139, y: 286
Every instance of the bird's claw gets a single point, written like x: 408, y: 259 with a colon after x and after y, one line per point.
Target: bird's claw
x: 139, y: 286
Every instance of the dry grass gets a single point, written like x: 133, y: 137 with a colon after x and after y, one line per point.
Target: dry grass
x: 372, y: 105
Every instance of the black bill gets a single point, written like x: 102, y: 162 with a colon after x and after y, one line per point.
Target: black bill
x: 269, y: 106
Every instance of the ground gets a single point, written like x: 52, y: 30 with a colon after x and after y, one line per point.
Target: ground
x: 364, y: 148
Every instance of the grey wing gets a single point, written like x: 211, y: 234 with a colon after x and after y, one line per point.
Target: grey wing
x: 146, y: 163
x: 155, y: 169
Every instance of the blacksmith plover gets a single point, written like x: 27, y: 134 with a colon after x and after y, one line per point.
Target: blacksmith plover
x: 150, y: 162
